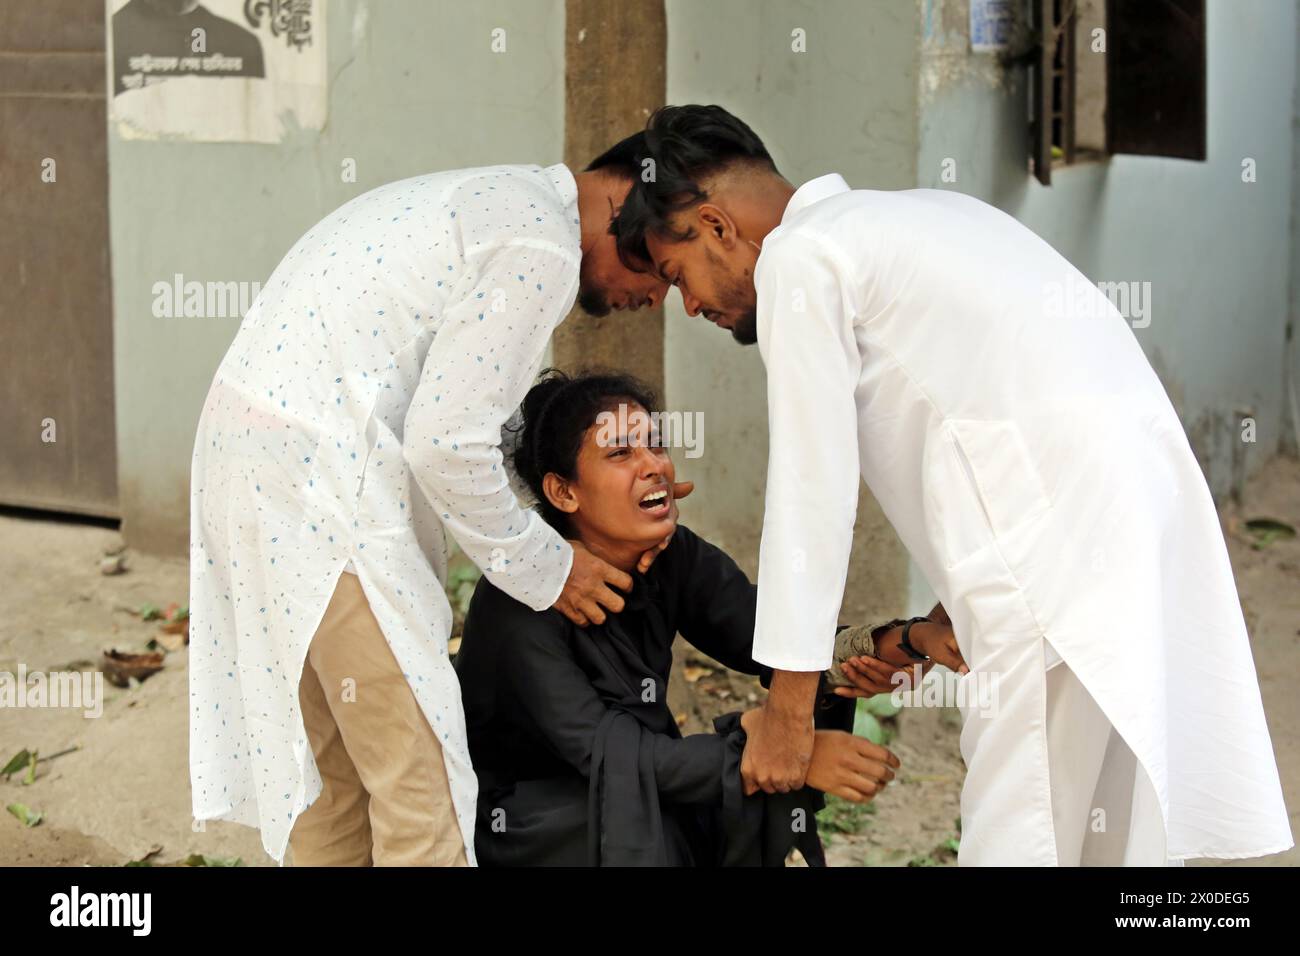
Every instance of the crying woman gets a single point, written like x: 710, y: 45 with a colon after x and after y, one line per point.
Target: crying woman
x: 579, y: 758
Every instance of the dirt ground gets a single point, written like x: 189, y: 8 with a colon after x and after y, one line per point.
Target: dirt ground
x: 123, y: 793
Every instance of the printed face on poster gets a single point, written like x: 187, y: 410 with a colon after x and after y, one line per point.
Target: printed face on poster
x: 236, y: 71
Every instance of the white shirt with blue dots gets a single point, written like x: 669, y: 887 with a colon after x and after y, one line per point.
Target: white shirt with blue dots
x: 355, y: 419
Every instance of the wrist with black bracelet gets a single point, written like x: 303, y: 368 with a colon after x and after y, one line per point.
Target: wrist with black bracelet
x: 904, y: 643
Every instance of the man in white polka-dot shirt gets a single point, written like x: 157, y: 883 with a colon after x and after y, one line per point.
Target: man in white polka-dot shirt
x: 354, y: 422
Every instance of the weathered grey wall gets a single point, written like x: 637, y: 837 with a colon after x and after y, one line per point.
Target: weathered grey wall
x: 1216, y: 250
x: 884, y: 92
x: 1290, y: 438
x: 847, y: 105
x: 413, y: 87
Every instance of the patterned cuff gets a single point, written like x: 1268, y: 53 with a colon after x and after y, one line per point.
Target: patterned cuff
x: 859, y: 641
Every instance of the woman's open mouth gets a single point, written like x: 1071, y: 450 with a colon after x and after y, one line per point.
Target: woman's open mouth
x: 656, y: 503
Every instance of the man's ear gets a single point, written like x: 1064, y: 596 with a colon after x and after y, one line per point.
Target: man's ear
x: 559, y: 492
x: 717, y: 225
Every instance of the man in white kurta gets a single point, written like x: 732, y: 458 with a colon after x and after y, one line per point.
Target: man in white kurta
x: 354, y: 422
x: 1023, y: 449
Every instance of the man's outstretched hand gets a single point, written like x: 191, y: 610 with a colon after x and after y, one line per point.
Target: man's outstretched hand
x: 871, y: 676
x: 588, y: 593
x: 680, y: 490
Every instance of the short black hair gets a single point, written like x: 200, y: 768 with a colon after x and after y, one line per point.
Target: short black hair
x: 686, y: 145
x: 556, y: 413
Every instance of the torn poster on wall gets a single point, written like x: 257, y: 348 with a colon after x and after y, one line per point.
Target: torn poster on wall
x: 232, y: 71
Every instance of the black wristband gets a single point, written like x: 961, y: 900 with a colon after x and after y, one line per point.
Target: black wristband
x: 906, y: 644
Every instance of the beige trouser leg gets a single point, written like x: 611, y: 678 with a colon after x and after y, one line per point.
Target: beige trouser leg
x: 385, y: 797
x: 1104, y: 808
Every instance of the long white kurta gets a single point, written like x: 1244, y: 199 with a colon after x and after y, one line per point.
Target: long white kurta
x: 357, y: 415
x: 1005, y: 418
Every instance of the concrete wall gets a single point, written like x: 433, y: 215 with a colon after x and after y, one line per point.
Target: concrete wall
x: 1216, y: 250
x: 847, y: 105
x: 413, y: 87
x: 883, y: 93
x: 1290, y: 440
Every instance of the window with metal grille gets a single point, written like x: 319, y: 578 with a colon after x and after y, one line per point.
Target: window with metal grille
x: 1116, y: 76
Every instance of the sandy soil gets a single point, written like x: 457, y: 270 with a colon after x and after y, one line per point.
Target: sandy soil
x: 124, y: 793
x: 1268, y: 580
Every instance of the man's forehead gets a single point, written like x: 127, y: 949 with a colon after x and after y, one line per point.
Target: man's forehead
x: 660, y: 249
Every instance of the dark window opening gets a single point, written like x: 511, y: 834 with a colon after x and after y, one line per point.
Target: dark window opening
x: 1116, y: 76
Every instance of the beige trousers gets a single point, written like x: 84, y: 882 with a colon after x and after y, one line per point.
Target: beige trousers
x: 385, y: 799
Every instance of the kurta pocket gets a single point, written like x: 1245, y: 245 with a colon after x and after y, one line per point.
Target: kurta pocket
x: 955, y: 520
x: 981, y: 487
x: 1001, y: 472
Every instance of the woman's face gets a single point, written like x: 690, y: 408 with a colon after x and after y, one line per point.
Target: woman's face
x: 623, y: 489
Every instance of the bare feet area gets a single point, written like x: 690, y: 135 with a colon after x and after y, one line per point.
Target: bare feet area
x: 114, y: 789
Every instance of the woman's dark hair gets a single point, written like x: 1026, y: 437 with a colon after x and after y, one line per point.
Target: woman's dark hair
x: 687, y: 144
x: 556, y: 413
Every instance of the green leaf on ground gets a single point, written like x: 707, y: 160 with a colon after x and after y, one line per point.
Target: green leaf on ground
x: 463, y: 574
x: 866, y: 725
x: 843, y: 816
x: 16, y: 763
x: 876, y: 729
x: 1268, y: 530
x: 882, y: 705
x: 25, y: 814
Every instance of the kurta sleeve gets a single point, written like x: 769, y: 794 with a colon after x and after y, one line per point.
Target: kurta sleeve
x: 805, y: 334
x: 487, y: 352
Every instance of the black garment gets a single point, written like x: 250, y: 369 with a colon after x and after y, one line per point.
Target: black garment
x: 579, y: 759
